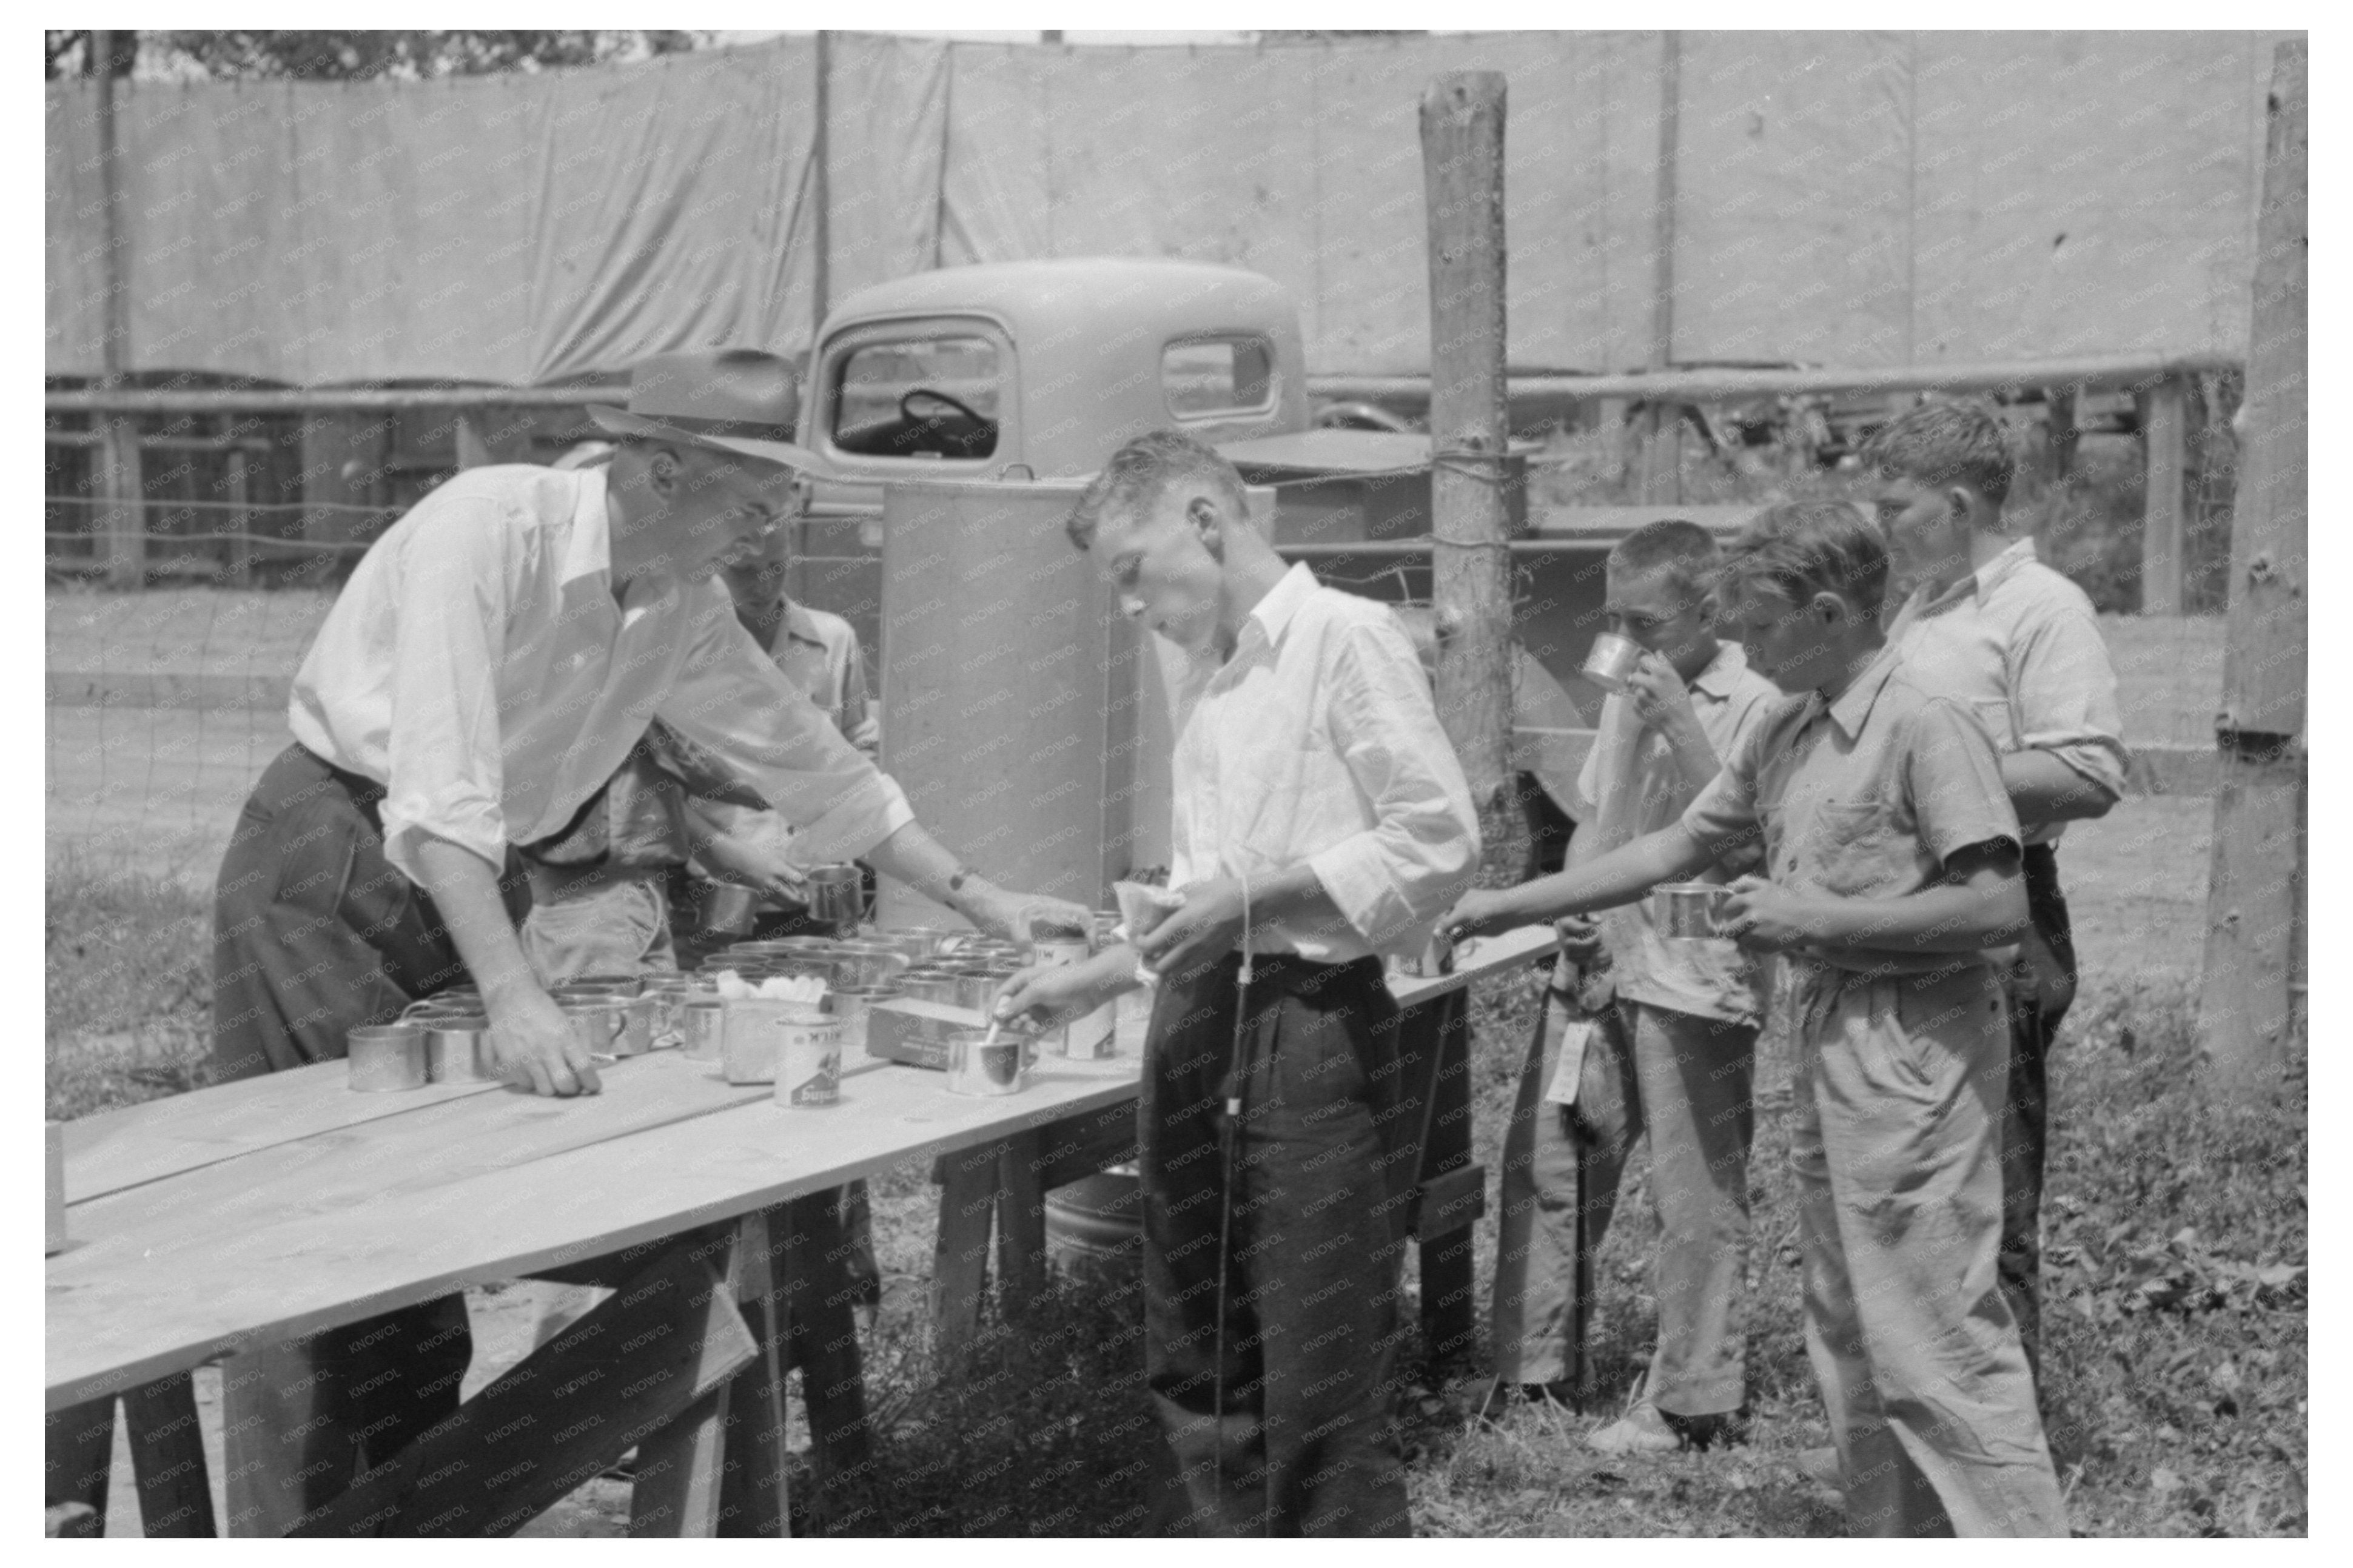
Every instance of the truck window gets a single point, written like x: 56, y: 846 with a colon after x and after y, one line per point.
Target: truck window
x: 930, y: 396
x: 1214, y: 377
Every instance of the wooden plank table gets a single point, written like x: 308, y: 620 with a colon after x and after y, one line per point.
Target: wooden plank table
x: 266, y: 1209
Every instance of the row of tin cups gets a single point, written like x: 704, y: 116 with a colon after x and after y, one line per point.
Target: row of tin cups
x: 447, y: 1038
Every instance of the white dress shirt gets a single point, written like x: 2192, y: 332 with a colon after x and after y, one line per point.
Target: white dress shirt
x: 479, y: 667
x: 2020, y: 645
x: 1317, y: 742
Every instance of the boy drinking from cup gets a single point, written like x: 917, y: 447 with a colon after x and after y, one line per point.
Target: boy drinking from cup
x: 1681, y: 1037
x: 1891, y: 864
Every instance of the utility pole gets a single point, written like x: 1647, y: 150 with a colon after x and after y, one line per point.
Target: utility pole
x: 122, y: 523
x: 2254, y: 901
x: 1462, y: 174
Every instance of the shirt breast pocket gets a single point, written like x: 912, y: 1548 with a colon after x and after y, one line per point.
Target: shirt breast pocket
x: 1993, y: 712
x: 1857, y: 852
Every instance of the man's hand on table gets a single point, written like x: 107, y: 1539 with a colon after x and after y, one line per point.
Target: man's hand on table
x: 535, y: 1046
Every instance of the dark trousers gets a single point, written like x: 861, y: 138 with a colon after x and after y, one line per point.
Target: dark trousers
x: 1321, y: 1182
x: 314, y: 933
x: 2036, y: 1006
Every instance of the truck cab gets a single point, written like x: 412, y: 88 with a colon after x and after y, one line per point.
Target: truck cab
x: 1039, y: 370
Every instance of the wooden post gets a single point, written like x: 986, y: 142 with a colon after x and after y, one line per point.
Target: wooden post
x: 820, y: 215
x: 2254, y: 904
x: 2163, y: 431
x: 2059, y: 426
x: 240, y: 521
x: 1662, y: 427
x: 123, y: 520
x: 1462, y: 174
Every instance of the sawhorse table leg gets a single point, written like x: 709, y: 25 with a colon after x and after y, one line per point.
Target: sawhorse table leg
x: 167, y: 1459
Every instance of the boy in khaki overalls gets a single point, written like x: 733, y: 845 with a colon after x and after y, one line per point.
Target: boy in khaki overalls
x: 1892, y: 857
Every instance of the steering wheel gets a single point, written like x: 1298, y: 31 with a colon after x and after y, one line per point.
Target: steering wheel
x: 907, y: 412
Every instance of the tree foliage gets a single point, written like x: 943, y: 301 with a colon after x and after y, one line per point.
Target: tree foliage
x: 360, y: 55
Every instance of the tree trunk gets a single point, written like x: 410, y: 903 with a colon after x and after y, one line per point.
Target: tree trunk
x: 2255, y: 905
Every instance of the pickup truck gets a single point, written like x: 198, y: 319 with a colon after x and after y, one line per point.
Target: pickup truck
x: 1039, y: 370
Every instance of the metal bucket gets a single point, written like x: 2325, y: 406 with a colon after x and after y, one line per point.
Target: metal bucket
x: 1688, y: 910
x: 381, y: 1057
x: 1094, y: 1226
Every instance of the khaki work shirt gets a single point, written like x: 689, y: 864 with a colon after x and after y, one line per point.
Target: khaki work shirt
x: 1865, y: 797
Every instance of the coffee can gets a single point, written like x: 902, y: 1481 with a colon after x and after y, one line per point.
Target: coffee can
x: 808, y: 1061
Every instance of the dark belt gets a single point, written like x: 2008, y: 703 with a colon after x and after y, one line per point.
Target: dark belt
x: 366, y: 793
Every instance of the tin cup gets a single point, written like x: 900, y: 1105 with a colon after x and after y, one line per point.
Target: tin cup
x: 459, y: 1050
x: 596, y: 1022
x: 1688, y: 910
x: 851, y: 1007
x: 668, y: 994
x: 703, y: 1034
x: 639, y: 1016
x: 1610, y: 660
x: 381, y: 1057
x: 980, y: 1066
x: 836, y: 896
x: 726, y: 908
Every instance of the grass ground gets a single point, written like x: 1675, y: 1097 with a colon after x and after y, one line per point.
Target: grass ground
x: 2176, y: 1236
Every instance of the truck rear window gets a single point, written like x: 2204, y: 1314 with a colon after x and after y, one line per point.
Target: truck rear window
x: 930, y: 396
x: 1204, y: 377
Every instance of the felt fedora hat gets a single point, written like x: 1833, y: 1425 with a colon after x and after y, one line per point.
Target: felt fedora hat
x: 738, y: 400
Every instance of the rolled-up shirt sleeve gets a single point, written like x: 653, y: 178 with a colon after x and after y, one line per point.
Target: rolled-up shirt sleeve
x: 458, y: 578
x: 1722, y: 816
x: 2064, y: 696
x: 1393, y: 880
x: 732, y: 698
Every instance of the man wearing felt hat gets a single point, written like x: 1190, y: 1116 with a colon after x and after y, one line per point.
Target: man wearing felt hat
x: 493, y: 658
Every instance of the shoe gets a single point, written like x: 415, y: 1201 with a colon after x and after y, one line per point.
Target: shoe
x: 1718, y: 1429
x: 1821, y: 1465
x: 1501, y: 1397
x: 1642, y: 1430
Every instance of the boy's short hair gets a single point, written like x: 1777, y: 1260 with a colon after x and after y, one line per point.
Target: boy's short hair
x: 1801, y: 548
x: 1943, y: 443
x: 1684, y: 551
x: 1138, y: 472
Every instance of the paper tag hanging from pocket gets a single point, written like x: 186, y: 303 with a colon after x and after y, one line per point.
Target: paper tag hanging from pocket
x: 1576, y: 1039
